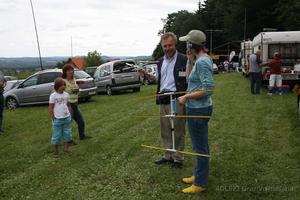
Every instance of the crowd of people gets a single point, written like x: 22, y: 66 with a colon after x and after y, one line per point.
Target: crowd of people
x: 191, y: 73
x: 189, y: 76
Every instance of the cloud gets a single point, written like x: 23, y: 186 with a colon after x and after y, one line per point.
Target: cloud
x: 8, y: 6
x: 113, y: 27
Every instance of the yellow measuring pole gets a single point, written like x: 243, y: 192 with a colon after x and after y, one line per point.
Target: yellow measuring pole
x: 183, y: 152
x: 182, y: 92
x: 177, y: 116
x: 189, y: 116
x: 173, y: 93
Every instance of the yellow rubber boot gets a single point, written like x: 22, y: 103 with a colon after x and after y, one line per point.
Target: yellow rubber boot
x: 189, y: 180
x: 194, y: 189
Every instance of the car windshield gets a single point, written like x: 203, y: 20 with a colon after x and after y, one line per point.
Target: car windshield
x: 81, y: 74
x: 124, y: 66
x: 91, y: 70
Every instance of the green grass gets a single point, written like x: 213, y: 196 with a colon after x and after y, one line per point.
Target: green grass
x: 254, y: 142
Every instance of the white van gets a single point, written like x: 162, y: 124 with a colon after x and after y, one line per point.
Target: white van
x: 116, y: 76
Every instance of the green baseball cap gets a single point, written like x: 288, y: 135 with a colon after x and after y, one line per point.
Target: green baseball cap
x: 194, y: 36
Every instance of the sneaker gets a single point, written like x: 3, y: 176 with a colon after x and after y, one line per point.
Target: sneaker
x: 67, y: 151
x: 163, y: 161
x: 176, y: 164
x: 55, y: 155
x: 72, y: 142
x: 189, y: 180
x: 85, y: 137
x: 194, y: 189
x: 280, y: 93
x: 1, y: 130
x: 270, y: 93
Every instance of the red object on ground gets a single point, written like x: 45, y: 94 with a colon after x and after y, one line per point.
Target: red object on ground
x: 284, y: 89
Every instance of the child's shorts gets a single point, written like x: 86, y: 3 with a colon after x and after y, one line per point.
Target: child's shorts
x: 61, y: 129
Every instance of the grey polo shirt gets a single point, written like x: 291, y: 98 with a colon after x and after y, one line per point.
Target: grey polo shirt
x: 253, y: 62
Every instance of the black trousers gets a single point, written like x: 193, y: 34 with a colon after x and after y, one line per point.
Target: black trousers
x: 255, y: 79
x: 77, y: 116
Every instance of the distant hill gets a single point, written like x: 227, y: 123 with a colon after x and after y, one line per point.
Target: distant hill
x: 50, y: 62
x: 29, y: 62
x: 140, y: 58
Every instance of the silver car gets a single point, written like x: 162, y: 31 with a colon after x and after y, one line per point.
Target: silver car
x: 116, y: 76
x: 150, y: 71
x: 11, y: 84
x: 37, y: 88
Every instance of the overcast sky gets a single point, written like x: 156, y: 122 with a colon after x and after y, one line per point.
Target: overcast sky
x: 112, y: 27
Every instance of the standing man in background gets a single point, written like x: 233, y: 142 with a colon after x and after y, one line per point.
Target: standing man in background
x: 171, y: 77
x: 2, y: 85
x: 255, y: 72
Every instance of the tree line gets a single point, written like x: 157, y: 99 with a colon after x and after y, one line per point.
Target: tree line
x: 93, y: 58
x: 230, y: 17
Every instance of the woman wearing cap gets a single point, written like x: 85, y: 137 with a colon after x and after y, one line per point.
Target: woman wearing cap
x: 198, y: 103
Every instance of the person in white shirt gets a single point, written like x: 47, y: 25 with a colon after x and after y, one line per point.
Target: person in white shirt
x: 60, y: 111
x: 171, y: 77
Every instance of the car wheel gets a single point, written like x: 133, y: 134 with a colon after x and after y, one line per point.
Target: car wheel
x: 108, y: 90
x: 137, y: 89
x: 11, y: 103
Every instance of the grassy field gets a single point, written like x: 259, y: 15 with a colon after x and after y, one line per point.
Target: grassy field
x: 254, y: 142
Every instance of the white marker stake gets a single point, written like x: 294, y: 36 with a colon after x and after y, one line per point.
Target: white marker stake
x: 173, y: 113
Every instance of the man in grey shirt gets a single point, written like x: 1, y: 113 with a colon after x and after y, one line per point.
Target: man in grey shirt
x: 255, y: 72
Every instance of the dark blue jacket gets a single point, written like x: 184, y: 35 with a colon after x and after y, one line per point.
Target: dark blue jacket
x: 180, y: 65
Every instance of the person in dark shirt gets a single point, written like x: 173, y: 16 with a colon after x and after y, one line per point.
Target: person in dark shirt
x: 2, y: 85
x: 275, y: 75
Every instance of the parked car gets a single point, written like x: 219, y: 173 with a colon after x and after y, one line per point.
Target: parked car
x: 87, y: 86
x: 150, y: 71
x: 37, y: 88
x: 116, y: 76
x: 11, y: 84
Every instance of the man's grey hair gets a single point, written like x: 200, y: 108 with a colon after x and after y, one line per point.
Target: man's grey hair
x: 168, y: 35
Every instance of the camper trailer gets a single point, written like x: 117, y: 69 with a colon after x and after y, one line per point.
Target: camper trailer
x: 285, y: 43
